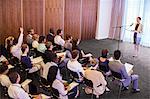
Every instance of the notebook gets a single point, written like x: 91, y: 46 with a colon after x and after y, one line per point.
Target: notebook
x: 72, y: 85
x: 36, y: 60
x: 128, y: 67
x: 25, y: 83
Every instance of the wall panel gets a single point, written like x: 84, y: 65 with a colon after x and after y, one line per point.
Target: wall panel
x: 1, y: 31
x: 33, y: 15
x: 89, y: 14
x: 72, y: 20
x: 11, y: 17
x: 54, y: 15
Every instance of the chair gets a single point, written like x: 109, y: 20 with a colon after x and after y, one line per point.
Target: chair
x: 89, y: 83
x: 117, y: 77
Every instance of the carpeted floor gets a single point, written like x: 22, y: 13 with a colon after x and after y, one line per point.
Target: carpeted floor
x: 142, y: 66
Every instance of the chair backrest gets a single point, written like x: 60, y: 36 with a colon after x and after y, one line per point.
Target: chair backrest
x: 117, y: 75
x: 88, y: 83
x: 74, y: 74
x: 55, y: 93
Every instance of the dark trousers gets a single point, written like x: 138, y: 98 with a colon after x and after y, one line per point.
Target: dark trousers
x: 134, y: 37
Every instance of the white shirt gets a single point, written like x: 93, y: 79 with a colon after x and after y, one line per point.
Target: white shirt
x: 61, y: 89
x: 75, y: 66
x: 41, y: 48
x: 35, y: 44
x: 15, y: 91
x: 16, y: 49
x: 4, y: 80
x: 46, y: 68
x: 58, y: 40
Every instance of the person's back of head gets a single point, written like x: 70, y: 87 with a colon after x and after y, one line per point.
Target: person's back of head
x: 51, y: 31
x: 68, y: 37
x: 48, y: 45
x: 24, y: 48
x: 41, y: 39
x: 117, y: 54
x: 3, y: 69
x: 75, y: 54
x: 104, y: 53
x: 14, y: 77
x: 35, y: 37
x: 59, y: 32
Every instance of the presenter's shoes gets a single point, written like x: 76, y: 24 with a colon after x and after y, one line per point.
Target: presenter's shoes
x: 136, y: 90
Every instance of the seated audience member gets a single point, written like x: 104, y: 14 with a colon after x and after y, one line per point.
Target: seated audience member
x: 74, y: 65
x: 98, y: 80
x: 26, y: 61
x: 75, y: 46
x: 50, y: 36
x: 15, y: 90
x: 68, y: 46
x: 117, y: 66
x: 103, y: 62
x: 35, y: 42
x: 49, y: 53
x: 58, y: 38
x: 16, y: 47
x: 29, y: 37
x: 4, y: 79
x: 59, y: 86
x: 41, y: 48
x: 8, y: 43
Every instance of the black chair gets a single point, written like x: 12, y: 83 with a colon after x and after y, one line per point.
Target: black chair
x: 118, y: 78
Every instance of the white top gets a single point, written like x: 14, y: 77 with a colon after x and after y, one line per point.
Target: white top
x: 35, y: 44
x: 16, y: 49
x: 61, y: 89
x: 75, y: 66
x: 4, y: 80
x: 2, y: 58
x: 41, y: 48
x: 58, y: 40
x: 15, y: 91
x: 46, y: 68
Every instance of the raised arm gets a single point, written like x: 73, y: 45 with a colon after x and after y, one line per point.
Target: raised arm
x: 20, y: 39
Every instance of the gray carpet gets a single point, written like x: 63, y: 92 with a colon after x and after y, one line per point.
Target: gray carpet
x: 142, y: 66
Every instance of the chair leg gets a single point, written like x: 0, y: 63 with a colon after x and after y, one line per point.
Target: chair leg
x: 119, y: 91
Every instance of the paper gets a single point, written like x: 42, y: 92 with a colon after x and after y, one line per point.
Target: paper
x: 87, y: 55
x: 72, y: 85
x: 62, y: 55
x: 128, y: 67
x: 111, y: 59
x: 26, y: 82
x: 36, y: 60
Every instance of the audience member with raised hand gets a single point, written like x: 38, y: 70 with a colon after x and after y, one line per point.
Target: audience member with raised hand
x: 16, y: 48
x: 103, y: 62
x: 35, y: 42
x: 41, y: 48
x: 29, y: 38
x: 117, y: 66
x: 58, y: 40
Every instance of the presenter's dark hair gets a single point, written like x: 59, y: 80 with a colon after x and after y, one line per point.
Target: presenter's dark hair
x: 59, y: 31
x: 139, y: 18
